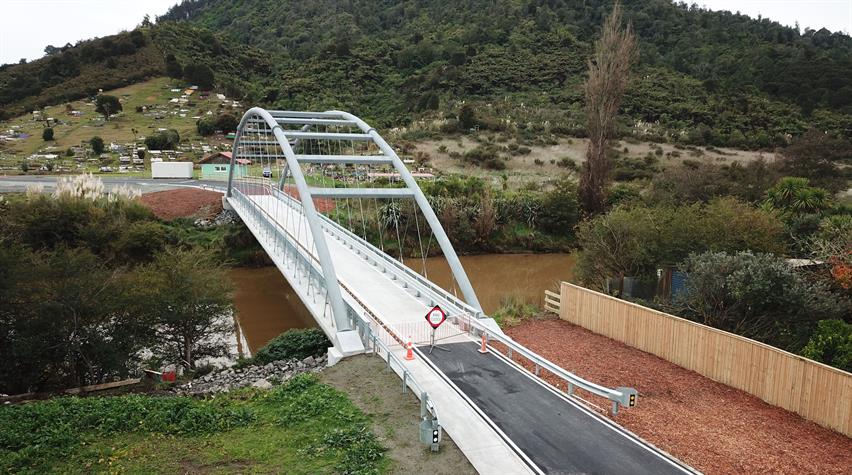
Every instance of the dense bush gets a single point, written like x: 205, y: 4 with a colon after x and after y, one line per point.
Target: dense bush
x: 758, y: 296
x: 638, y: 240
x: 831, y: 344
x: 485, y: 155
x: 295, y: 343
x: 80, y: 295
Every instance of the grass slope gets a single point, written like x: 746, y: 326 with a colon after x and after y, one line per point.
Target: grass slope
x: 301, y: 427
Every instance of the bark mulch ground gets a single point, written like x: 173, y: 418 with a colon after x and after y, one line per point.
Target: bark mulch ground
x: 183, y: 202
x: 710, y: 426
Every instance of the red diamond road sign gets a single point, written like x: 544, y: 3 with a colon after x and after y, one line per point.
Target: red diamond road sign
x: 436, y: 316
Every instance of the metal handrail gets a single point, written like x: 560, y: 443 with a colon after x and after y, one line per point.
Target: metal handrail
x: 407, y: 376
x: 617, y: 396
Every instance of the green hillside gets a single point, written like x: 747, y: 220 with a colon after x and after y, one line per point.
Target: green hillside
x: 704, y: 77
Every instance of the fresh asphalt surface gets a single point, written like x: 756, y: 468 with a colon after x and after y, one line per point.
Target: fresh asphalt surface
x: 556, y: 435
x: 19, y: 184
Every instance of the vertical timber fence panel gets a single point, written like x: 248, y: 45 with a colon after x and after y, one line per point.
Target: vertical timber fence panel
x: 813, y: 390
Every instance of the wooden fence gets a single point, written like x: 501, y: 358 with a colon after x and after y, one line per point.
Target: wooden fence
x: 813, y: 390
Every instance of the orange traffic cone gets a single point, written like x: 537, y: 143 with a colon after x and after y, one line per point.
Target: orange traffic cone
x: 409, y: 354
x: 483, y: 349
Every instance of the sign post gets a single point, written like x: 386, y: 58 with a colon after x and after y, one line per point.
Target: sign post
x: 435, y: 318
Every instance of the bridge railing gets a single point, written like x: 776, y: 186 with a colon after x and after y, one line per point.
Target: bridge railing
x: 370, y: 330
x: 303, y: 259
x: 364, y: 321
x: 621, y: 396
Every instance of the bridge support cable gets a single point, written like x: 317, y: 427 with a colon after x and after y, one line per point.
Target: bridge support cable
x: 443, y: 240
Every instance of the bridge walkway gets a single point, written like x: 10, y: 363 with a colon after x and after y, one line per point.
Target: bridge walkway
x: 503, y: 420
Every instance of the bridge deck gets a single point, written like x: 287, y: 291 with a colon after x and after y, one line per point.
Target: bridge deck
x: 551, y: 433
x: 399, y: 309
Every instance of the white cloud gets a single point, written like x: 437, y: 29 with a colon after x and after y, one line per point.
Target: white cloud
x: 836, y: 15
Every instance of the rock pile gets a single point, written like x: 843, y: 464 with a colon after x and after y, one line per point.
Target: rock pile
x: 256, y: 376
x: 225, y: 217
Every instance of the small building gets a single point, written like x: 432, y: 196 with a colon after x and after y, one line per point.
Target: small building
x: 217, y: 166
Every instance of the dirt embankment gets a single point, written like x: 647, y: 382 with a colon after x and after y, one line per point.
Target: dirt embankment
x: 713, y: 427
x: 395, y: 417
x: 183, y: 203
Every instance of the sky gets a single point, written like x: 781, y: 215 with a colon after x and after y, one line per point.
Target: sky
x: 27, y: 26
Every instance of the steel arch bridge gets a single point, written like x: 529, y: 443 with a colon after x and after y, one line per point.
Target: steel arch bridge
x: 338, y: 212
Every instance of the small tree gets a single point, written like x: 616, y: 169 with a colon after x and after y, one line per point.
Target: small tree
x: 47, y: 134
x: 205, y: 127
x: 97, y: 144
x: 467, y: 118
x: 609, y: 71
x: 190, y: 303
x: 107, y: 105
x: 226, y: 122
x: 166, y: 140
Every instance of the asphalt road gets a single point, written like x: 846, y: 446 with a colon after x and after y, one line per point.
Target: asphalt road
x: 558, y: 436
x: 13, y: 184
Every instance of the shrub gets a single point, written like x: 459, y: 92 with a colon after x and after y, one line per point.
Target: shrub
x: 831, y: 344
x: 485, y: 155
x: 758, y: 296
x: 47, y: 134
x: 296, y: 343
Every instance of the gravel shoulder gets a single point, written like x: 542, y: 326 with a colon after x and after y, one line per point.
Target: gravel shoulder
x: 378, y: 393
x: 710, y: 426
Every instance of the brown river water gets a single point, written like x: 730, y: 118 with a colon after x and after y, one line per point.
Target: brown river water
x: 266, y: 305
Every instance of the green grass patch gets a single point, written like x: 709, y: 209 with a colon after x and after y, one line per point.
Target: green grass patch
x: 301, y: 427
x: 512, y: 311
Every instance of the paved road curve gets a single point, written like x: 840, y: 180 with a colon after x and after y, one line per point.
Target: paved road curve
x: 558, y: 436
x: 19, y: 184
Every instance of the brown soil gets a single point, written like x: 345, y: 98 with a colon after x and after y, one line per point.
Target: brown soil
x: 710, y: 426
x: 183, y: 202
x: 395, y: 417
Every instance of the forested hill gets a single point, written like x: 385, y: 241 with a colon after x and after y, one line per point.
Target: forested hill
x: 704, y: 77
x: 726, y: 78
x: 78, y: 71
